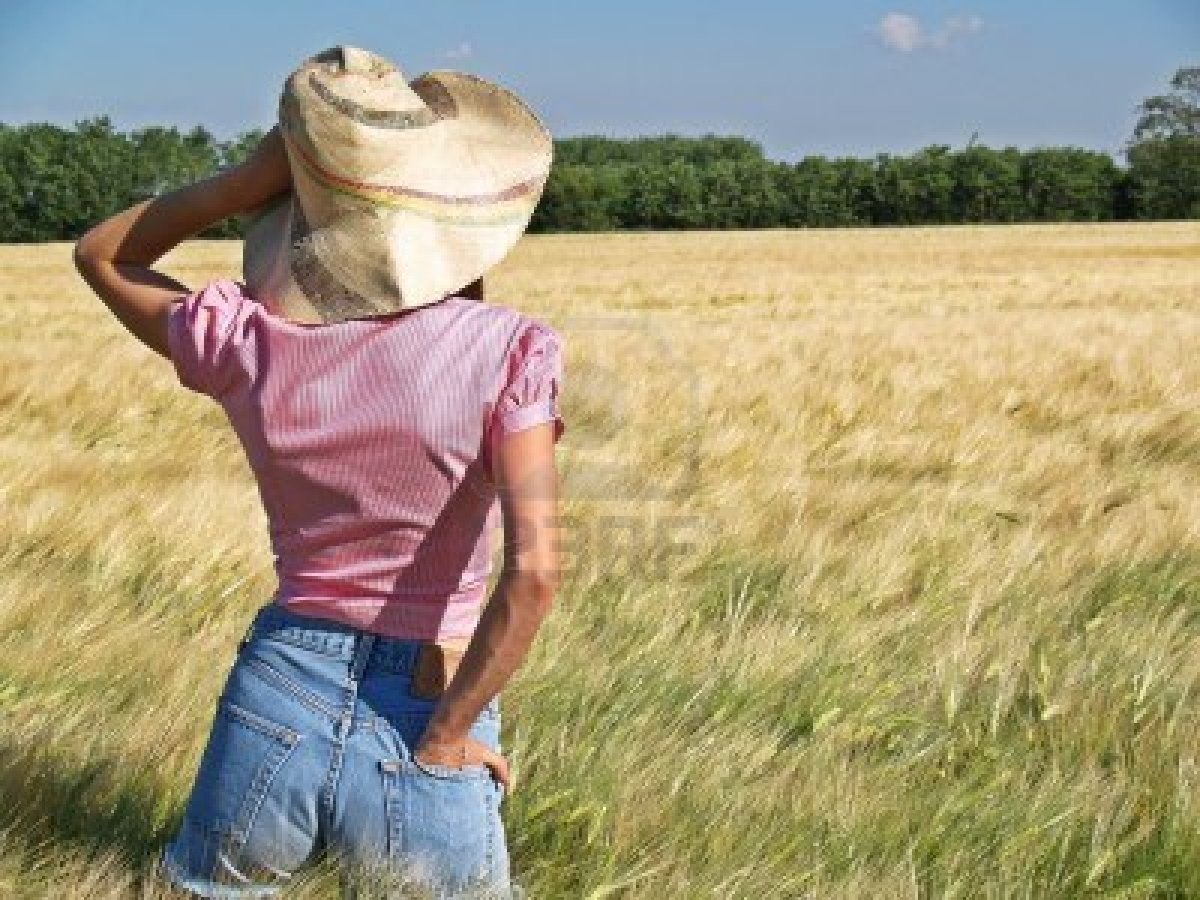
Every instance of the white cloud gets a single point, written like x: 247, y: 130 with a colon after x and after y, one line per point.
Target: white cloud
x: 462, y: 51
x: 906, y: 34
x: 900, y: 31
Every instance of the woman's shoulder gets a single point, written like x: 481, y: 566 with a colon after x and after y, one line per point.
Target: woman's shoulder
x: 513, y: 322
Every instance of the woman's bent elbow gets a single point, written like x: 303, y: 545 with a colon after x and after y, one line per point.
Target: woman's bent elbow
x: 83, y: 257
x: 536, y: 587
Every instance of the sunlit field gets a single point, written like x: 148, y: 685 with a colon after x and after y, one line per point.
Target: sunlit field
x: 883, y: 571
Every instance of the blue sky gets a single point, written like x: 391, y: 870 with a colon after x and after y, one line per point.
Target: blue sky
x: 800, y: 77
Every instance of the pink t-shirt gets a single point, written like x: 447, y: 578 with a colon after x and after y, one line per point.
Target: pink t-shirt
x: 371, y: 440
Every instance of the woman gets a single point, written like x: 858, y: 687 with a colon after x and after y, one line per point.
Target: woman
x: 361, y: 714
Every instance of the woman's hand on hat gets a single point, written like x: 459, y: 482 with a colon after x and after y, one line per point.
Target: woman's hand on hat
x: 464, y: 751
x: 265, y: 172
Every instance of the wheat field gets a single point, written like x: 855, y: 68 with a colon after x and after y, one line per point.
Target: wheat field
x: 883, y: 570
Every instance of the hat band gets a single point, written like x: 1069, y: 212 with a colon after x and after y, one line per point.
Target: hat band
x: 323, y: 290
x: 482, y: 209
x: 377, y: 118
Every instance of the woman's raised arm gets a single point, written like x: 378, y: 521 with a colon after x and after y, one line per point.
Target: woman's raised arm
x: 114, y: 257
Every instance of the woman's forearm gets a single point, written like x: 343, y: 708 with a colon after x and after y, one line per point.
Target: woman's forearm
x: 145, y: 231
x: 498, y: 645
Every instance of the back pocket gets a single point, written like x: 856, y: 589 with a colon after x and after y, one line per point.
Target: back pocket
x: 242, y: 759
x: 439, y: 822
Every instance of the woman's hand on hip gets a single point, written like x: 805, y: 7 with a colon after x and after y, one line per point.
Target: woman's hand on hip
x: 463, y: 752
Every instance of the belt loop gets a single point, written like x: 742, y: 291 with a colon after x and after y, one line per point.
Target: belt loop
x: 364, y: 641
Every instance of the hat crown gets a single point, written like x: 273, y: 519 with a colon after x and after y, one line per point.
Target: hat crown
x: 345, y: 58
x: 353, y: 73
x: 351, y: 91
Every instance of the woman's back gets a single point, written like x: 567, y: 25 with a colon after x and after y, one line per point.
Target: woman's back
x: 371, y: 443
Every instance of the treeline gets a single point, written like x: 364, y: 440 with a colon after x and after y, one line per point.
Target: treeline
x: 676, y: 183
x: 56, y: 182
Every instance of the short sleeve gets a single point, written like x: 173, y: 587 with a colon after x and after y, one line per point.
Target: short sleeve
x: 207, y: 332
x: 534, y: 371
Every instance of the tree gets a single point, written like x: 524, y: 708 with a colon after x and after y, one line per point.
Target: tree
x: 987, y: 185
x: 1165, y: 175
x: 1164, y: 154
x: 1065, y: 184
x: 1176, y: 114
x: 579, y: 198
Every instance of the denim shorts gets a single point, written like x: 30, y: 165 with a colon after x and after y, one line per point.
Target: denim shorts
x: 310, y: 752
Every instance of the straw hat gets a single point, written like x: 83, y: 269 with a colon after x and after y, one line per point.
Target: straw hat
x: 402, y: 193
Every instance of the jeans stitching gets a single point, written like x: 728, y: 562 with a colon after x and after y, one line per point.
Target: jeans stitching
x: 254, y: 720
x: 489, y: 848
x: 469, y: 772
x: 264, y: 777
x: 302, y: 642
x: 315, y: 703
x: 391, y: 807
x: 345, y: 721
